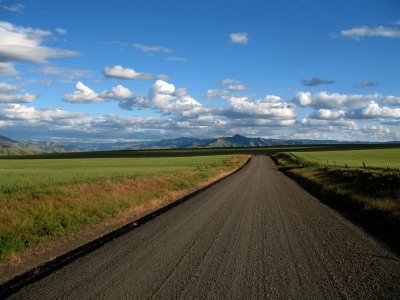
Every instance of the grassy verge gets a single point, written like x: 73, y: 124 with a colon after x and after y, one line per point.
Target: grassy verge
x: 53, y: 198
x: 368, y: 196
x: 388, y: 158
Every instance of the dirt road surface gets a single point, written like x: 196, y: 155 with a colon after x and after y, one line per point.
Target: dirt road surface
x: 254, y: 235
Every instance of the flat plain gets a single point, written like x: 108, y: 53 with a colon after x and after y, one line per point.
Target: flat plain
x: 53, y: 197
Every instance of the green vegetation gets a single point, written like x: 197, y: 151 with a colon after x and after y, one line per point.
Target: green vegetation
x: 53, y: 197
x: 369, y: 195
x: 20, y: 176
x: 378, y: 158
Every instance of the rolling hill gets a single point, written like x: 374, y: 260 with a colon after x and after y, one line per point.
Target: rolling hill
x: 9, y: 146
x: 12, y: 147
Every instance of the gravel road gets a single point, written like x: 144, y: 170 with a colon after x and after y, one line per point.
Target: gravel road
x: 253, y: 235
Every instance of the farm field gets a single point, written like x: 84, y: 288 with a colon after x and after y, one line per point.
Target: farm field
x: 22, y: 175
x: 378, y: 158
x: 54, y: 197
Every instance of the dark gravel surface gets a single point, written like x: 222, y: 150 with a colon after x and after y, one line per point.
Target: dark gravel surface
x: 254, y: 235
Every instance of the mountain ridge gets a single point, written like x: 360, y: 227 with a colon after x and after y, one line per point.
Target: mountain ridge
x: 10, y: 146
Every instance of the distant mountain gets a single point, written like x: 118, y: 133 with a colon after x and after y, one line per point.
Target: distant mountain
x: 6, y: 139
x: 182, y: 142
x: 240, y: 141
x: 11, y: 147
x: 234, y: 141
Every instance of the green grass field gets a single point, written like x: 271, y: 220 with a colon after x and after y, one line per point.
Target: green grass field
x: 378, y: 158
x: 20, y: 176
x: 53, y: 197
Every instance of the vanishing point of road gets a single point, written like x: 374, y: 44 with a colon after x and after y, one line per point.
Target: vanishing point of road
x: 253, y: 235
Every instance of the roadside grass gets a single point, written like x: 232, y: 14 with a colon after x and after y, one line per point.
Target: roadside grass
x: 50, y: 198
x: 375, y: 158
x: 370, y: 196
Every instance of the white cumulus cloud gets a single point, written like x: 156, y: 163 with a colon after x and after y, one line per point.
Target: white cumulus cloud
x: 186, y: 103
x: 117, y: 92
x: 22, y: 112
x: 161, y: 93
x: 125, y: 73
x: 246, y: 106
x: 164, y: 97
x: 83, y: 94
x: 373, y: 110
x: 335, y: 100
x: 327, y: 114
x: 273, y: 99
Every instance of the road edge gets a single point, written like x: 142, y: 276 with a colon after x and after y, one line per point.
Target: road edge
x: 16, y: 283
x: 383, y: 229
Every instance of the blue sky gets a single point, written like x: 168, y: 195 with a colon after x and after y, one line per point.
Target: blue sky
x: 140, y: 70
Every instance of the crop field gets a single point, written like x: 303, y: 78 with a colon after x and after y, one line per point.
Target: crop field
x: 377, y: 158
x: 18, y: 176
x: 53, y: 197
